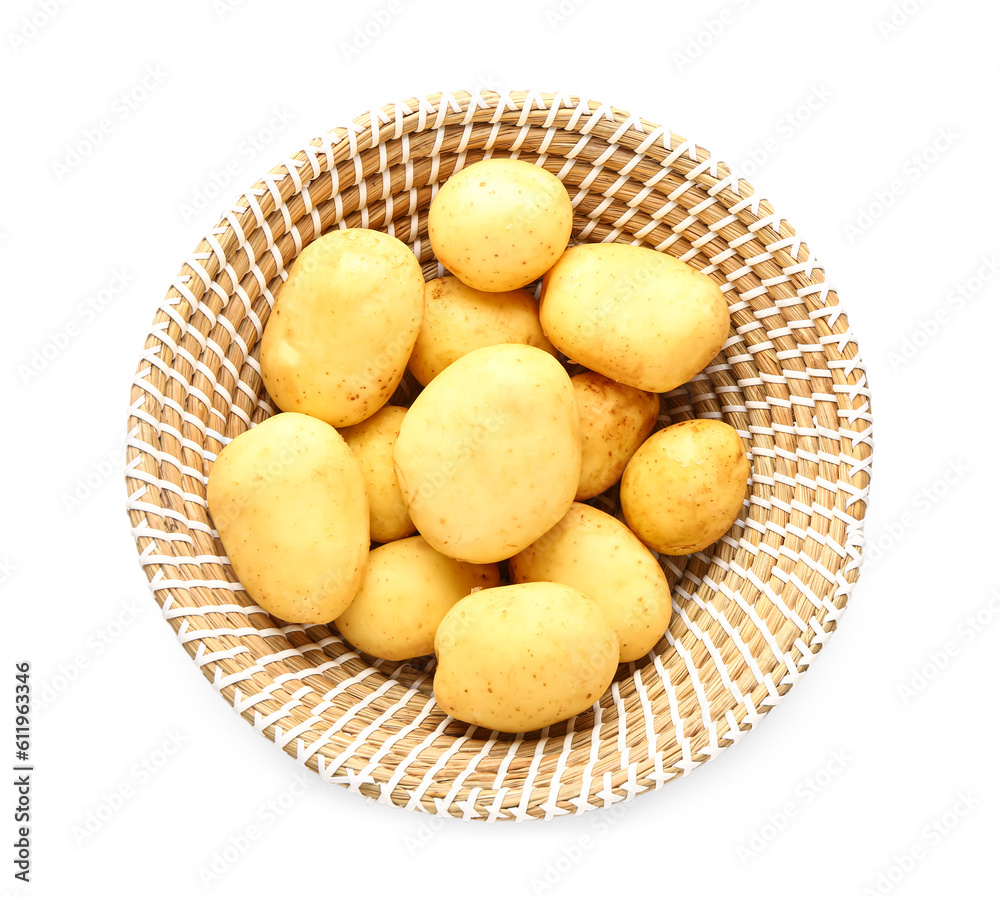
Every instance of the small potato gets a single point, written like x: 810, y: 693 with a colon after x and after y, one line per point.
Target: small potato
x: 458, y: 319
x: 685, y: 486
x: 372, y: 442
x: 601, y: 558
x: 615, y: 420
x: 288, y: 501
x: 520, y: 657
x: 500, y: 223
x: 343, y: 326
x: 407, y: 589
x: 636, y: 315
x: 488, y: 456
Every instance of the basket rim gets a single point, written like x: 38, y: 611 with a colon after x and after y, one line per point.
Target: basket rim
x: 211, y: 267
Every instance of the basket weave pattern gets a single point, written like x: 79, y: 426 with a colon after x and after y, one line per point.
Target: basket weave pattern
x: 749, y: 613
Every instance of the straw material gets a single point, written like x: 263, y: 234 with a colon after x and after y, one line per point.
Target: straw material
x: 750, y: 612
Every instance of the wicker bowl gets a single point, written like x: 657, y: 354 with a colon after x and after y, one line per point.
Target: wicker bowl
x: 750, y: 612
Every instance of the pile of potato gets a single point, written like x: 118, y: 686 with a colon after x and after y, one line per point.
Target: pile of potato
x: 529, y: 597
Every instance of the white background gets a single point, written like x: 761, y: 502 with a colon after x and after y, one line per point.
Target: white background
x: 235, y: 86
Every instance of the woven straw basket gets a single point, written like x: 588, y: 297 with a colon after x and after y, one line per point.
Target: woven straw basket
x: 750, y: 612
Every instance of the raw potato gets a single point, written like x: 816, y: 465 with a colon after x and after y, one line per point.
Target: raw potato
x: 601, y: 558
x: 636, y: 315
x: 458, y: 319
x: 500, y: 223
x: 520, y: 657
x: 615, y: 420
x: 685, y: 486
x: 488, y: 456
x: 372, y: 442
x: 407, y: 589
x: 343, y: 326
x: 289, y: 503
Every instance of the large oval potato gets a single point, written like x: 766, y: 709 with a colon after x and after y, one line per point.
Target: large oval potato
x: 372, y: 442
x: 500, y: 223
x: 407, y: 589
x: 488, y: 456
x: 636, y: 315
x: 458, y: 319
x: 288, y: 501
x: 343, y: 326
x: 601, y: 558
x: 520, y: 657
x: 685, y: 486
x: 615, y: 420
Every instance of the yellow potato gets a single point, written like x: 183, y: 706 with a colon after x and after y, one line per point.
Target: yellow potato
x: 520, y: 657
x: 636, y: 315
x: 407, y: 589
x: 288, y: 501
x: 343, y: 326
x: 500, y: 223
x: 615, y: 420
x: 372, y: 441
x: 488, y: 456
x: 458, y: 319
x: 601, y: 558
x: 685, y: 486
